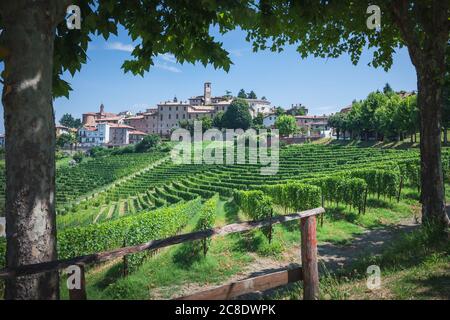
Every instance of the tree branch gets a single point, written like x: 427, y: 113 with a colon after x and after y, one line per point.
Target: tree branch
x: 399, y: 9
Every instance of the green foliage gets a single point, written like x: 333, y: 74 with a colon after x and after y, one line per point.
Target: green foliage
x: 65, y: 139
x: 297, y: 110
x: 342, y: 189
x: 286, y: 125
x: 156, y: 27
x: 241, y: 94
x: 279, y: 111
x: 258, y: 120
x: 78, y: 156
x: 257, y: 206
x: 237, y: 115
x: 379, y: 181
x: 206, y: 221
x: 69, y: 121
x: 217, y: 121
x: 388, y: 115
x: 150, y: 142
x: 252, y: 95
x: 295, y: 196
x: 131, y: 230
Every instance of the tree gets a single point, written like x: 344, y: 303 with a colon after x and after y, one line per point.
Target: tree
x: 259, y: 119
x: 331, y: 28
x: 69, y: 121
x: 297, y: 110
x: 252, y: 95
x: 150, y: 142
x: 446, y: 94
x: 207, y: 123
x: 241, y: 94
x: 279, y: 111
x: 237, y: 115
x: 388, y: 89
x: 286, y: 125
x: 336, y: 121
x: 37, y: 47
x: 228, y: 94
x: 66, y: 139
x: 367, y: 123
x: 217, y: 120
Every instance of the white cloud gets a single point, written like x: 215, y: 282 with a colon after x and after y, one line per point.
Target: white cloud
x: 119, y: 46
x: 167, y: 67
x: 239, y: 52
x: 168, y: 57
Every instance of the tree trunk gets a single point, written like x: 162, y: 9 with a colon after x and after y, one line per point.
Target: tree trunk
x: 445, y: 136
x: 427, y: 51
x: 432, y: 184
x: 29, y: 28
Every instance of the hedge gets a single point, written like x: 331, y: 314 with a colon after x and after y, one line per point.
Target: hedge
x: 132, y: 230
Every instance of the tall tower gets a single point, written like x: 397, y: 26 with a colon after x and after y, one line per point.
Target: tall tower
x: 207, y: 93
x: 102, y: 108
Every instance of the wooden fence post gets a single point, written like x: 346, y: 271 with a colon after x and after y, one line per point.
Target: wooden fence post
x: 79, y: 294
x: 309, y: 258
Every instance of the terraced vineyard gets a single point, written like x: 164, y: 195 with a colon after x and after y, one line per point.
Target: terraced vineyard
x: 110, y: 195
x: 75, y: 182
x: 168, y: 183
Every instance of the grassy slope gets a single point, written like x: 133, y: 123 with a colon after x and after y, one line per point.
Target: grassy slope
x: 164, y: 274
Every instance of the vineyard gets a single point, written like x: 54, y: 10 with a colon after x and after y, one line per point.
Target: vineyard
x: 129, y: 199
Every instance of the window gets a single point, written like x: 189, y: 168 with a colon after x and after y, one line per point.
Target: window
x: 170, y: 108
x: 184, y: 116
x: 161, y: 117
x: 176, y: 108
x: 170, y: 116
x: 177, y: 115
x: 189, y: 116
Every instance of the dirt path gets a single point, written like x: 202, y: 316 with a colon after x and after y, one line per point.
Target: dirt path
x: 332, y: 256
x: 370, y: 242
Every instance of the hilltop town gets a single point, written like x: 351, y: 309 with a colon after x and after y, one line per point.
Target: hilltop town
x: 108, y: 129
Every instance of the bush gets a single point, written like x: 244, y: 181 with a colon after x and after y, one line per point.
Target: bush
x: 149, y: 142
x: 295, y: 196
x: 132, y: 230
x: 78, y: 156
x: 257, y: 206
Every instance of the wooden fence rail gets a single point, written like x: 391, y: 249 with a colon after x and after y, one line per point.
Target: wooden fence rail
x: 308, y: 248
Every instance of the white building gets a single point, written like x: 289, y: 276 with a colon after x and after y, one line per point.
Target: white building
x: 91, y: 136
x: 259, y: 106
x: 269, y: 120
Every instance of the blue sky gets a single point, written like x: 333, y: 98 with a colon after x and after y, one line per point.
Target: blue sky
x: 323, y: 85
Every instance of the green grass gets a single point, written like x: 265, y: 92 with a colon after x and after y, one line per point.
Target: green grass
x: 414, y: 266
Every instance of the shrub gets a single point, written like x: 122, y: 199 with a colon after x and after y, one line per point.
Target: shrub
x: 132, y: 230
x: 295, y: 196
x: 207, y: 218
x: 78, y: 156
x: 149, y: 142
x: 257, y: 206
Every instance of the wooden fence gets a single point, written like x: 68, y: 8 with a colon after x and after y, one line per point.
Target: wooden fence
x: 308, y: 272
